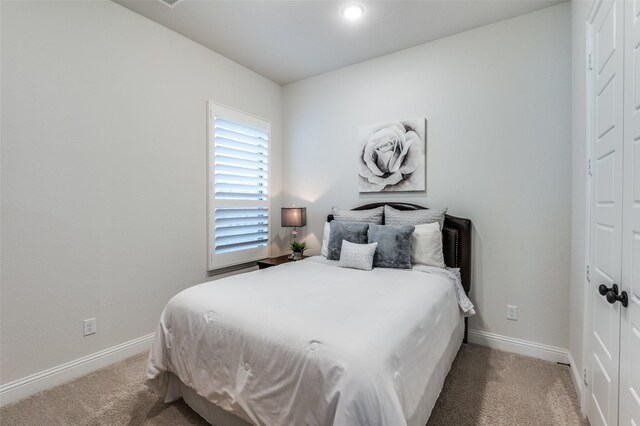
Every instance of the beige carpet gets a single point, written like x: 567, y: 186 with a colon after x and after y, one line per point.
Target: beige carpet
x: 485, y: 387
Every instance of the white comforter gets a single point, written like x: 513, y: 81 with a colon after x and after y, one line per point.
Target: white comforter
x: 309, y: 343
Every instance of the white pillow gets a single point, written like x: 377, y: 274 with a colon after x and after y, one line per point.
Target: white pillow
x: 325, y: 240
x: 426, y: 245
x: 357, y: 256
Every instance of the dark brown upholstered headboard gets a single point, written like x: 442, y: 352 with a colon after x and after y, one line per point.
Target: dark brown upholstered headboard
x: 456, y: 239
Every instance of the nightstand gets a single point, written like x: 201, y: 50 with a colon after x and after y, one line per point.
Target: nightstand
x: 274, y: 261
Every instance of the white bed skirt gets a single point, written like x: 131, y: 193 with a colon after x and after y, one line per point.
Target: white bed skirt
x: 219, y: 417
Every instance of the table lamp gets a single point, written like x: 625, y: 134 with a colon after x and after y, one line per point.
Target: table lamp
x: 294, y: 217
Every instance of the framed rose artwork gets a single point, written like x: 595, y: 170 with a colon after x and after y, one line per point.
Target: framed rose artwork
x: 392, y: 157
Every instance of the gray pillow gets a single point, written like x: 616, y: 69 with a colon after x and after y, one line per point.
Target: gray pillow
x: 352, y: 232
x: 361, y: 216
x: 357, y: 256
x: 394, y: 245
x: 413, y: 217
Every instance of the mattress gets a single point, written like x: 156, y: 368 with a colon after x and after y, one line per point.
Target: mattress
x: 311, y: 343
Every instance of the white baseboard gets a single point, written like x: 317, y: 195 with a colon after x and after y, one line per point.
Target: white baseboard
x: 576, y: 377
x: 518, y: 346
x: 22, y: 388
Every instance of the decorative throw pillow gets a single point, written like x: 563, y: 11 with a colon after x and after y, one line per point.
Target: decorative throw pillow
x: 426, y: 245
x: 352, y: 232
x: 361, y: 216
x: 357, y: 256
x: 413, y: 217
x: 325, y: 239
x: 394, y: 245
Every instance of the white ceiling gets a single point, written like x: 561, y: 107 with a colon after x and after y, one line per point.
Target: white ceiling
x: 287, y: 41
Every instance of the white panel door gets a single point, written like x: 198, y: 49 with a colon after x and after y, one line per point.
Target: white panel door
x: 606, y: 208
x: 630, y: 321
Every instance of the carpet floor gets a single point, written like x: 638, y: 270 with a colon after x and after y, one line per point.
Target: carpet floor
x: 485, y: 387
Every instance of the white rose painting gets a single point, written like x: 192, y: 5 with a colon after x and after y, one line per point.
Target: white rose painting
x: 392, y: 157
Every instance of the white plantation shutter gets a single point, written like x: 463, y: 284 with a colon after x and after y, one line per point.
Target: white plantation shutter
x: 239, y: 207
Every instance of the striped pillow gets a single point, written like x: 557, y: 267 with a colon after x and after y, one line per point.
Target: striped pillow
x: 362, y: 216
x: 413, y: 217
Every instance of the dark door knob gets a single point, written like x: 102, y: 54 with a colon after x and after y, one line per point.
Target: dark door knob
x: 622, y: 298
x: 603, y: 289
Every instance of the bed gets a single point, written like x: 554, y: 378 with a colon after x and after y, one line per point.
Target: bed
x: 310, y: 343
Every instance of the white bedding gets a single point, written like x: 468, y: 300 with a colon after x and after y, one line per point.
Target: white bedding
x: 309, y: 343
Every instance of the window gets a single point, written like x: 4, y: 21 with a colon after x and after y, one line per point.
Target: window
x: 239, y: 206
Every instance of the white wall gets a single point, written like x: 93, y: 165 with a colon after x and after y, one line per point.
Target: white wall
x: 579, y: 13
x: 104, y: 173
x: 498, y: 108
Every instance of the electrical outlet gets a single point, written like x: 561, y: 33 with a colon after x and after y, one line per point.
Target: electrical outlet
x: 512, y: 312
x: 89, y: 326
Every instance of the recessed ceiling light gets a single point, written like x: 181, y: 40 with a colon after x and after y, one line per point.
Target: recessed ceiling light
x: 352, y: 11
